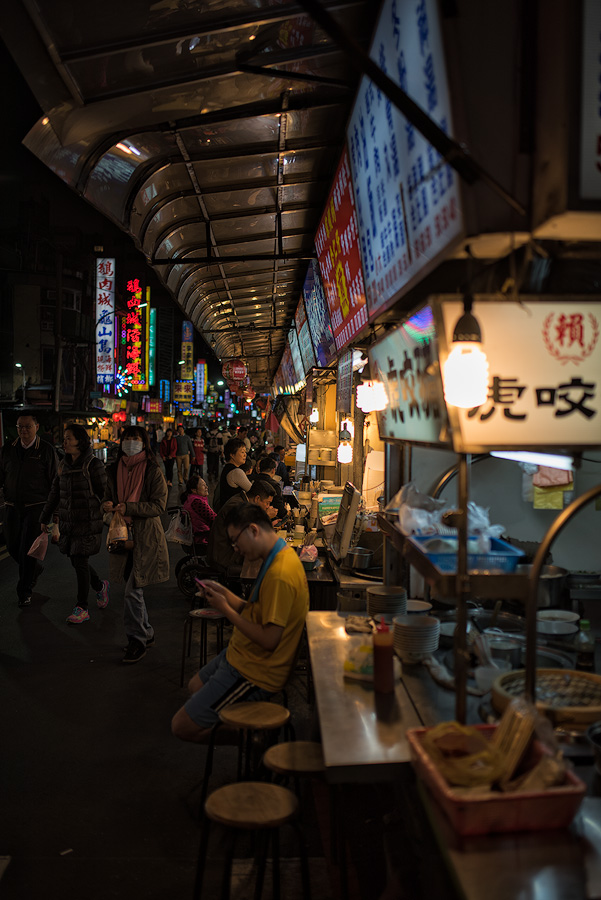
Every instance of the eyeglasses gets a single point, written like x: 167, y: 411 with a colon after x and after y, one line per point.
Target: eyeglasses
x: 25, y: 427
x: 234, y: 541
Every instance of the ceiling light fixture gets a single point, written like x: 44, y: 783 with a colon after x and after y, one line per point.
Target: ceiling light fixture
x: 465, y: 373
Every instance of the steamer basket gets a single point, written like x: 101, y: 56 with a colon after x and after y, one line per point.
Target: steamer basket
x: 578, y: 700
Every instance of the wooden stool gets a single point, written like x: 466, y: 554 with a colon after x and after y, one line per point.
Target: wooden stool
x: 204, y: 616
x: 251, y: 806
x: 295, y: 759
x: 248, y: 718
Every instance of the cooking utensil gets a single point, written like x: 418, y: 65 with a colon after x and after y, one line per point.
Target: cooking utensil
x: 551, y: 584
x: 359, y: 558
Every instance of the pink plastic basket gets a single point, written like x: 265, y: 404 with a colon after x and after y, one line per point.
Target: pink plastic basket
x: 495, y: 812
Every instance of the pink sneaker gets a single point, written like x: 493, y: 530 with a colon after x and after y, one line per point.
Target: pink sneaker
x: 102, y: 597
x: 78, y: 616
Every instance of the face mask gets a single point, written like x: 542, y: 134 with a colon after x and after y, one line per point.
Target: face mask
x: 130, y: 448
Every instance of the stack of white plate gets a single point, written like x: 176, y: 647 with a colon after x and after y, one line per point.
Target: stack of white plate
x: 386, y: 600
x: 415, y: 636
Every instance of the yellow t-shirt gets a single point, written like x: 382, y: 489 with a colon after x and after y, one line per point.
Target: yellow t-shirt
x: 283, y: 600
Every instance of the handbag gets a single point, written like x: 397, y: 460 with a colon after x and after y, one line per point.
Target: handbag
x: 179, y: 530
x: 120, y: 538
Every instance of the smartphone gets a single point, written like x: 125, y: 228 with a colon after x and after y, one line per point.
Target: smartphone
x: 200, y: 583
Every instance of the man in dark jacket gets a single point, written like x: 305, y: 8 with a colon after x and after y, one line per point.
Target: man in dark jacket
x: 27, y: 469
x: 267, y: 467
x: 279, y: 452
x: 220, y: 554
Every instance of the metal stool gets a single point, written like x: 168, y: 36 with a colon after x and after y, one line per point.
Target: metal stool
x: 248, y: 719
x: 252, y: 806
x: 204, y: 616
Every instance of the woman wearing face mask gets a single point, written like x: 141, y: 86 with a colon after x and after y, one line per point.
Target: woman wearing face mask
x: 137, y: 489
x: 76, y: 495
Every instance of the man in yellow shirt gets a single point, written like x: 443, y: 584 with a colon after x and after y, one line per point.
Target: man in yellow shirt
x: 267, y: 628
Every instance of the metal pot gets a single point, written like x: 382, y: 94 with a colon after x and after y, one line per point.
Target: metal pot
x: 551, y: 584
x: 359, y: 558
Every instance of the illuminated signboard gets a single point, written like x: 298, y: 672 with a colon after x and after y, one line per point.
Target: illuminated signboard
x: 287, y: 371
x: 201, y: 381
x: 132, y: 338
x: 318, y: 317
x: 407, y: 199
x: 544, y: 360
x: 183, y: 392
x: 304, y: 337
x: 165, y: 389
x: 337, y: 244
x: 590, y: 108
x: 406, y: 361
x: 344, y: 383
x: 187, y: 369
x: 105, y: 321
x: 152, y: 341
x: 296, y: 358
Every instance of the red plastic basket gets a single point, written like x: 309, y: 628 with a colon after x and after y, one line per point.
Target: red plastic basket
x: 495, y: 812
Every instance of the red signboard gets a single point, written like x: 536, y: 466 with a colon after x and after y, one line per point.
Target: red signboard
x: 234, y: 369
x: 337, y: 246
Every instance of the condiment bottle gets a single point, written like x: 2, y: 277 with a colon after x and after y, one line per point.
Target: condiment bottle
x: 383, y: 664
x: 585, y: 647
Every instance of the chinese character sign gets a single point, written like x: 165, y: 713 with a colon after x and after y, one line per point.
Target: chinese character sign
x: 201, y: 381
x: 187, y: 331
x: 407, y: 198
x: 405, y: 361
x: 590, y: 107
x: 344, y: 383
x: 183, y: 392
x: 152, y: 341
x: 544, y: 368
x: 337, y: 244
x: 132, y: 342
x: 296, y: 358
x: 105, y: 321
x: 304, y: 336
x: 318, y: 317
x: 187, y: 369
x: 288, y: 373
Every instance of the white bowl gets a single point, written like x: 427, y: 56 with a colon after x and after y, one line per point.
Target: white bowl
x: 418, y: 606
x: 557, y: 615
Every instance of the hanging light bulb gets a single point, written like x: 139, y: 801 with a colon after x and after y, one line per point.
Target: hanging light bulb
x: 314, y: 417
x: 371, y: 396
x: 465, y: 373
x: 345, y: 452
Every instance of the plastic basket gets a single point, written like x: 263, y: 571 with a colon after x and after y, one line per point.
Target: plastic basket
x: 502, y: 557
x: 495, y: 812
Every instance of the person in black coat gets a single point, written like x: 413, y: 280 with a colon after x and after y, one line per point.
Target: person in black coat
x: 267, y: 467
x: 76, y: 494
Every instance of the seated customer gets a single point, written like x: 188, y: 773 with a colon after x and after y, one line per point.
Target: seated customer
x: 279, y: 452
x: 232, y: 479
x: 267, y: 629
x: 194, y: 501
x: 265, y: 473
x: 220, y: 554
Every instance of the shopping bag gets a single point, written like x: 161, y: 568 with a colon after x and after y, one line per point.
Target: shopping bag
x: 39, y: 546
x: 54, y: 530
x: 179, y: 529
x: 120, y: 536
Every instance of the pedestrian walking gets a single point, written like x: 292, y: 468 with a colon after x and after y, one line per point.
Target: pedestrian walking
x: 136, y: 488
x: 185, y: 449
x: 168, y: 449
x: 28, y: 466
x: 214, y: 447
x: 76, y: 496
x: 198, y: 456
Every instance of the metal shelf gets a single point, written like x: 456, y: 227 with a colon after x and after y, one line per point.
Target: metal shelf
x: 487, y: 587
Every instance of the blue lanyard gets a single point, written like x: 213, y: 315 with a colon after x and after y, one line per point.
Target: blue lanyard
x: 279, y: 545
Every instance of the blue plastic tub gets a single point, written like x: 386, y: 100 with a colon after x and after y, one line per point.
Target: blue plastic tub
x: 502, y: 557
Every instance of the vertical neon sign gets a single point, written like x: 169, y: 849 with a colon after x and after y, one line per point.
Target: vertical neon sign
x: 105, y: 320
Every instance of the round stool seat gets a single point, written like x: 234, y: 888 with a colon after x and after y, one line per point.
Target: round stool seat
x: 206, y: 613
x: 251, y: 804
x: 295, y: 758
x: 257, y: 716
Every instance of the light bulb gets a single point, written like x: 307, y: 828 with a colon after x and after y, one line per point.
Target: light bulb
x: 371, y: 396
x: 345, y: 452
x: 465, y: 375
x: 314, y: 417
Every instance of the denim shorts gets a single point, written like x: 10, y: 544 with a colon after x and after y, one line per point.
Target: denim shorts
x: 222, y: 685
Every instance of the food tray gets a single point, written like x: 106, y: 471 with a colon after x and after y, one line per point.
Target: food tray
x: 569, y: 697
x: 495, y: 812
x: 502, y: 557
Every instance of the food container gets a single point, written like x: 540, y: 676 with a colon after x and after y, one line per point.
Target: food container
x: 551, y: 584
x: 501, y: 557
x: 359, y: 558
x: 494, y: 812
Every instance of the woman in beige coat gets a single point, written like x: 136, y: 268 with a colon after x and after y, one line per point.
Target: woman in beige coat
x: 137, y: 489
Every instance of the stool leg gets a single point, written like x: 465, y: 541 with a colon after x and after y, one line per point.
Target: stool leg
x: 202, y: 858
x: 208, y: 769
x: 275, y: 851
x: 187, y: 628
x: 262, y: 860
x: 302, y: 852
x: 227, y: 868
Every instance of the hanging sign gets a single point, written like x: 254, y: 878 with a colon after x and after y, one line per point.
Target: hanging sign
x: 407, y: 198
x: 304, y: 337
x: 344, y: 383
x: 544, y: 360
x: 319, y: 317
x: 337, y: 244
x: 234, y: 370
x: 405, y: 361
x: 183, y: 392
x: 105, y: 321
x: 132, y: 338
x: 296, y: 359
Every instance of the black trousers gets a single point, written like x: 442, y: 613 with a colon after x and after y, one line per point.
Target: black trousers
x: 21, y: 528
x: 169, y: 469
x: 86, y: 575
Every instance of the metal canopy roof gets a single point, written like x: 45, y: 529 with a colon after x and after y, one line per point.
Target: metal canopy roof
x: 209, y: 130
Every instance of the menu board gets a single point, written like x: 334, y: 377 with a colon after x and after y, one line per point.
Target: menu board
x: 296, y: 358
x: 337, y: 244
x: 544, y: 384
x: 404, y: 361
x: 288, y: 373
x: 344, y: 383
x: 407, y: 198
x: 316, y: 305
x: 304, y: 337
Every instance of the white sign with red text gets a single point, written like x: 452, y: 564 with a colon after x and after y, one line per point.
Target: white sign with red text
x: 590, y: 102
x: 105, y: 321
x: 544, y: 387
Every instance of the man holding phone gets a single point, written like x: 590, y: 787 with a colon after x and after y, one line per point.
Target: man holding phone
x: 267, y: 628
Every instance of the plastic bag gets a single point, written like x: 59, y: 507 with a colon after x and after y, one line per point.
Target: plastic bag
x: 418, y: 513
x: 180, y: 529
x: 39, y: 546
x: 120, y: 536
